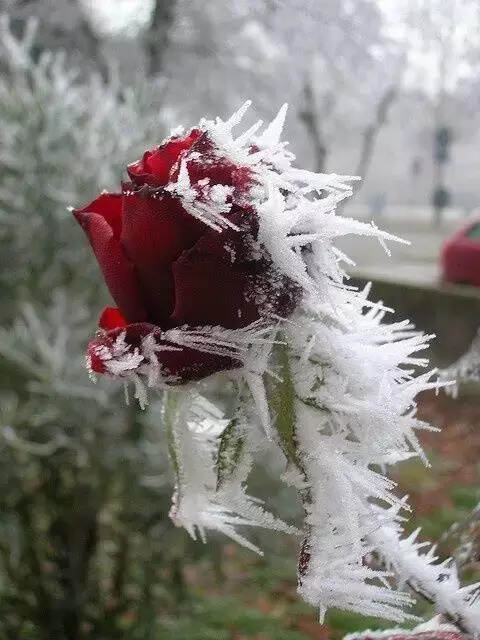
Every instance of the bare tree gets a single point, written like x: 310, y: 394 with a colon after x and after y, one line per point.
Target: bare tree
x: 311, y: 116
x: 67, y: 27
x: 446, y: 35
x: 156, y: 37
x: 347, y: 66
x: 370, y: 134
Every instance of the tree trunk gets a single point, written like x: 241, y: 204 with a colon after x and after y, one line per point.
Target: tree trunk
x: 370, y: 134
x: 157, y: 36
x: 310, y: 117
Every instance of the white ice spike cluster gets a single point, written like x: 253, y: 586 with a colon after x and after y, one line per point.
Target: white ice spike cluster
x: 333, y: 387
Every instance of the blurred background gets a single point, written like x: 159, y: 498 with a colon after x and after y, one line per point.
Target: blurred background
x: 384, y: 89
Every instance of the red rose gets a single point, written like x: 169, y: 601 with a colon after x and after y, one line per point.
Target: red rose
x: 170, y: 259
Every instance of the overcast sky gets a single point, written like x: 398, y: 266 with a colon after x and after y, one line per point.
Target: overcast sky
x: 116, y: 15
x: 112, y: 16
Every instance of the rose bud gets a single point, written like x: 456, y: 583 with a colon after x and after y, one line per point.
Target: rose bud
x: 178, y: 247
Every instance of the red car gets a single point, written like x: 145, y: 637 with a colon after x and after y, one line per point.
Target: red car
x: 461, y: 255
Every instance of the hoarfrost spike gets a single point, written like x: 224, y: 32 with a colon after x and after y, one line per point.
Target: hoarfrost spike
x: 272, y: 134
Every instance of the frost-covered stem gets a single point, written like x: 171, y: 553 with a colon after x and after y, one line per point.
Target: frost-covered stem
x: 305, y: 554
x: 457, y: 621
x: 282, y: 402
x: 171, y: 400
x: 435, y: 582
x: 421, y: 593
x: 306, y: 498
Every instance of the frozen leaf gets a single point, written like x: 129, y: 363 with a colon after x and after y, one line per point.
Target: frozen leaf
x: 281, y: 400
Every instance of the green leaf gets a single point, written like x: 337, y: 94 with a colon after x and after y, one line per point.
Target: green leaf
x: 171, y: 405
x: 230, y: 450
x: 281, y: 400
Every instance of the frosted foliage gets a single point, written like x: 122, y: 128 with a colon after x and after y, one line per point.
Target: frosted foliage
x: 62, y: 136
x: 333, y: 386
x: 59, y: 412
x: 466, y: 370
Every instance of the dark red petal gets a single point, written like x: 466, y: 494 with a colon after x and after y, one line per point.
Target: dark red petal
x: 211, y: 292
x: 177, y: 366
x: 213, y: 279
x: 95, y: 362
x: 134, y: 333
x: 155, y: 232
x: 138, y: 172
x: 112, y: 318
x: 154, y: 168
x: 162, y: 160
x: 225, y: 280
x: 189, y: 364
x: 117, y: 270
x: 219, y: 170
x: 233, y: 246
x: 109, y: 206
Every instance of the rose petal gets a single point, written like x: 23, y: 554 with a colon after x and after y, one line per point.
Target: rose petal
x: 219, y: 170
x: 154, y: 168
x: 95, y: 362
x: 176, y: 366
x: 109, y: 206
x: 155, y: 232
x: 213, y: 279
x: 188, y: 364
x: 100, y: 350
x: 118, y: 272
x: 226, y: 280
x: 211, y: 292
x: 112, y: 318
